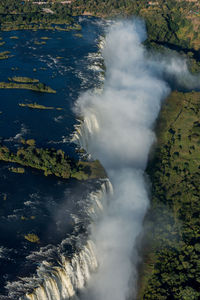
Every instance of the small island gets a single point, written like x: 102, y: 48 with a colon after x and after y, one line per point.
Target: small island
x: 4, y: 55
x: 45, y: 38
x: 17, y: 170
x: 39, y: 106
x: 14, y: 37
x: 27, y: 84
x: 31, y: 237
x: 39, y: 42
x: 78, y: 35
x: 52, y: 162
x: 23, y: 79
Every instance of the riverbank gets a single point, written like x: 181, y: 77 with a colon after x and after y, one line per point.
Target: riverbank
x: 171, y: 244
x: 175, y: 22
x: 172, y: 24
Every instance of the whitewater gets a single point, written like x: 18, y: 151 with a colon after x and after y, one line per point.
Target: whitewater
x: 116, y: 127
x: 118, y: 130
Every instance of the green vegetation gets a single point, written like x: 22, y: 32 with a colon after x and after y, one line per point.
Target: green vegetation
x: 171, y: 267
x: 45, y: 38
x: 39, y: 42
x: 4, y: 55
x: 31, y: 237
x: 23, y: 79
x: 38, y: 86
x: 78, y: 35
x: 172, y: 23
x: 17, y: 170
x: 32, y: 16
x: 52, y: 162
x: 14, y: 37
x: 30, y: 142
x: 38, y: 106
x: 23, y: 218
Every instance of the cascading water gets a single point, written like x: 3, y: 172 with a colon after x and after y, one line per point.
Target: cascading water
x: 117, y: 129
x: 85, y: 130
x: 62, y: 282
x: 59, y: 275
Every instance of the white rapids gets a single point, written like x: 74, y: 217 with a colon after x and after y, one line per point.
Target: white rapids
x: 63, y: 282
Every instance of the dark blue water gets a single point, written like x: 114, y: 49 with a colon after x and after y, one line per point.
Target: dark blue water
x: 62, y: 63
x: 31, y: 203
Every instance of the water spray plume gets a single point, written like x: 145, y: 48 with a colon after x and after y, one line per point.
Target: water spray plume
x: 117, y: 129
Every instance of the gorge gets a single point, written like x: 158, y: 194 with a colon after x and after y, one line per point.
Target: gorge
x: 99, y: 256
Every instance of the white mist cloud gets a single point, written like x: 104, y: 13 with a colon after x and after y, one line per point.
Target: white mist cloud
x: 118, y: 130
x: 129, y: 103
x: 174, y: 69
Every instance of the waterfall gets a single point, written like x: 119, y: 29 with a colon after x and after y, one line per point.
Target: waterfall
x: 60, y: 275
x: 85, y: 130
x: 61, y: 283
x: 116, y: 127
x: 98, y: 199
